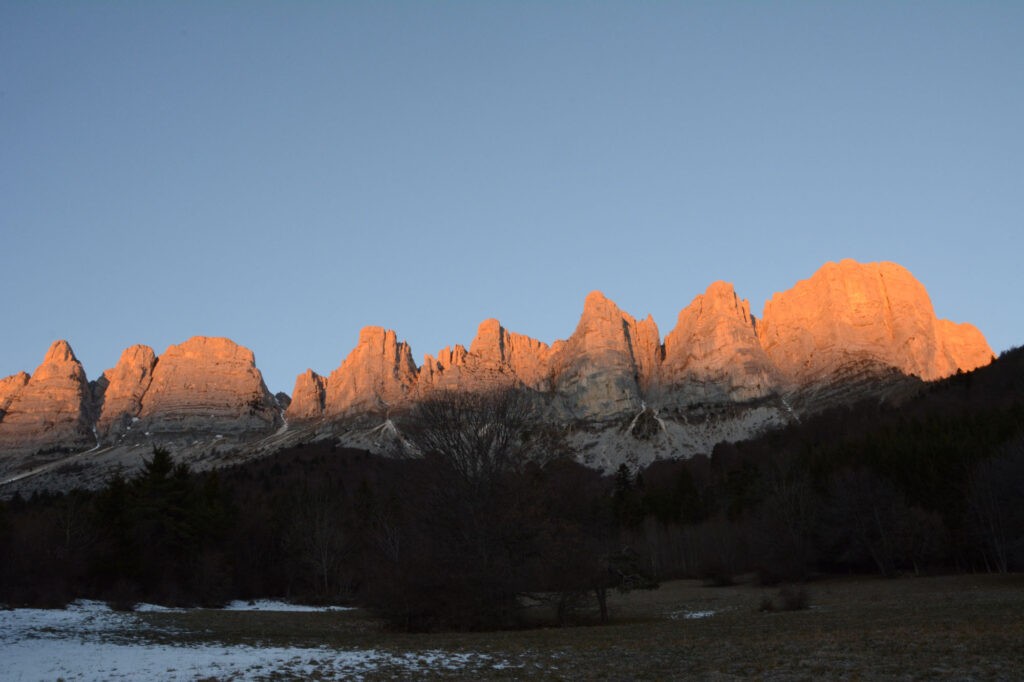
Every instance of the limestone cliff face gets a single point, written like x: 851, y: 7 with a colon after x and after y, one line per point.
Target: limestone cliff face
x: 119, y: 391
x: 851, y: 313
x: 713, y: 354
x: 208, y: 385
x: 307, y: 397
x: 52, y: 409
x: 377, y: 375
x: 850, y: 331
x: 496, y: 359
x: 523, y: 357
x: 963, y: 345
x: 596, y: 372
x: 9, y: 388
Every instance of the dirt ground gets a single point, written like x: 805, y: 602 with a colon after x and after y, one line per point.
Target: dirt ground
x: 953, y: 627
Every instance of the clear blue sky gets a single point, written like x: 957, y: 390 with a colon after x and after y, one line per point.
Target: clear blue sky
x: 286, y: 173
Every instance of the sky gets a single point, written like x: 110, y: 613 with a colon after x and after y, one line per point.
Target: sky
x: 285, y: 173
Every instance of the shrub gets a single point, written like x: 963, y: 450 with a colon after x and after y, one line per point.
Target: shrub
x: 789, y: 599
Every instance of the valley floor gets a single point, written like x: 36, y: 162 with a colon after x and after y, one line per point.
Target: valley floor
x: 953, y: 627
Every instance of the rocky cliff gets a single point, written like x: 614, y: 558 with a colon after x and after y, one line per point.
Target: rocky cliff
x: 377, y: 375
x: 613, y: 388
x: 207, y: 384
x: 51, y: 410
x: 118, y: 392
x: 852, y: 330
x: 198, y: 389
x: 852, y: 313
x: 713, y: 354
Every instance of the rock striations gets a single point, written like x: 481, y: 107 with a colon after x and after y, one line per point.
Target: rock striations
x: 849, y: 316
x: 208, y: 384
x: 876, y: 314
x: 850, y: 331
x: 204, y: 388
x: 617, y: 391
x: 51, y: 410
x: 713, y: 354
x: 118, y: 392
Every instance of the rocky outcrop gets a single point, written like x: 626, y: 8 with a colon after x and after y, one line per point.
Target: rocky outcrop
x: 596, y: 373
x: 208, y: 385
x: 118, y: 392
x: 52, y: 410
x: 518, y: 354
x: 870, y: 314
x: 377, y: 375
x: 496, y: 359
x: 963, y: 345
x: 9, y: 388
x: 713, y: 354
x: 307, y: 397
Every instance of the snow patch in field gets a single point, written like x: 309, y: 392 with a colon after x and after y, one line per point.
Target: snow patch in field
x: 690, y: 615
x: 156, y: 608
x: 694, y: 615
x: 270, y: 605
x: 88, y: 641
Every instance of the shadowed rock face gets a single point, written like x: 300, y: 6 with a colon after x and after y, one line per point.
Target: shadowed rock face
x: 52, y: 409
x: 208, y: 385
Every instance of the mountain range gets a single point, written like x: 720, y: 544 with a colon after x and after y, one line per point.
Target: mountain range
x: 615, y: 390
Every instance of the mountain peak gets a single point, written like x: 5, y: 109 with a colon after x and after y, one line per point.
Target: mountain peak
x: 59, y: 352
x: 867, y: 314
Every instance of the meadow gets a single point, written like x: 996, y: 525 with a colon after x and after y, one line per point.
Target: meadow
x: 948, y: 627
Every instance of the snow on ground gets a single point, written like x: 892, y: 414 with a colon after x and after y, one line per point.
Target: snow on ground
x: 88, y: 641
x: 690, y: 615
x: 269, y: 605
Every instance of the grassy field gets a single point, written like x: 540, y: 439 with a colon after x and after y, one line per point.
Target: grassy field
x: 959, y: 627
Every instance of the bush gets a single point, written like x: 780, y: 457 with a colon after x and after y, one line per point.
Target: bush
x: 789, y: 599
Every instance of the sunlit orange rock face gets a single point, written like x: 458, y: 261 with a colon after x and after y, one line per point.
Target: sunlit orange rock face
x: 496, y: 359
x: 516, y: 354
x: 307, y: 397
x: 52, y: 409
x: 378, y: 374
x: 119, y: 391
x: 599, y: 370
x: 207, y: 384
x: 849, y: 331
x: 713, y: 354
x: 963, y: 344
x: 850, y: 312
x: 10, y: 387
x: 851, y: 324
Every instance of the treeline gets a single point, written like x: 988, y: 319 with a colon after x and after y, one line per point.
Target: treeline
x: 934, y: 484
x: 478, y: 521
x: 486, y: 515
